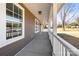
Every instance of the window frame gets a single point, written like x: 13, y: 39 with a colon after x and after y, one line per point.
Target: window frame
x: 4, y: 41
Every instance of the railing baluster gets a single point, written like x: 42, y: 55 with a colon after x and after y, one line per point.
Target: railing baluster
x: 68, y: 53
x: 65, y: 52
x: 65, y: 48
x: 60, y: 49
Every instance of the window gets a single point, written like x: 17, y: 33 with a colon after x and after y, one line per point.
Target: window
x: 37, y: 26
x: 14, y: 20
x: 11, y: 23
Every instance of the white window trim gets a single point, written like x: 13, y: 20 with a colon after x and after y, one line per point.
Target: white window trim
x: 3, y: 41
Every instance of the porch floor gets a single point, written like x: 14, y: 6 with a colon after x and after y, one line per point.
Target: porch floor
x: 39, y: 46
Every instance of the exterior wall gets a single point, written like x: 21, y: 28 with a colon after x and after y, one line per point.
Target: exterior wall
x: 13, y: 48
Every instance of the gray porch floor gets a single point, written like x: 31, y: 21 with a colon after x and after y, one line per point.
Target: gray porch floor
x: 39, y: 46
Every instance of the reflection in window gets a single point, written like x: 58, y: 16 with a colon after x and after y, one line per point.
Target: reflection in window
x: 16, y: 15
x: 14, y: 20
x: 20, y: 12
x: 15, y: 27
x: 20, y: 29
x: 16, y: 9
x: 9, y: 6
x: 9, y: 14
x: 9, y: 30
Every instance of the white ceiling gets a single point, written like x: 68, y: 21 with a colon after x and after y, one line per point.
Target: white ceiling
x: 35, y: 7
x: 44, y: 7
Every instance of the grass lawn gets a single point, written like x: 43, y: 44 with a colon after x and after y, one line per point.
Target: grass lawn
x: 73, y: 32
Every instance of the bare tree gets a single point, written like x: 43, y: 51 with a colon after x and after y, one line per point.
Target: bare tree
x: 64, y: 13
x: 77, y: 21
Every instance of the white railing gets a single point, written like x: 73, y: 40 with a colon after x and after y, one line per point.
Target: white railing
x: 62, y: 47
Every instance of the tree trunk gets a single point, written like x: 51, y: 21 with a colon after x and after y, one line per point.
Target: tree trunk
x: 63, y: 25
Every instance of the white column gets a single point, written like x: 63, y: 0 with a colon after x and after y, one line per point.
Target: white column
x: 50, y: 18
x: 54, y: 18
x: 56, y: 43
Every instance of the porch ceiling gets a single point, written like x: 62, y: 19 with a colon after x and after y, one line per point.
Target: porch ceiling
x: 36, y: 7
x: 44, y: 8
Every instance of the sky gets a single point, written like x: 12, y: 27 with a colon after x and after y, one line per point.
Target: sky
x: 73, y: 9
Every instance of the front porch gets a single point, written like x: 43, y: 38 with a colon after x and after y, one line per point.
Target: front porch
x: 39, y: 46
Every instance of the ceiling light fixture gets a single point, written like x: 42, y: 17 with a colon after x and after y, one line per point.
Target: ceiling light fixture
x: 40, y: 12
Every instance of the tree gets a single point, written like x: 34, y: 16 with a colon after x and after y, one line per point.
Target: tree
x: 66, y: 10
x: 77, y: 21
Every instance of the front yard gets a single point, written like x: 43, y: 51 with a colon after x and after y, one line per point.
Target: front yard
x: 70, y: 31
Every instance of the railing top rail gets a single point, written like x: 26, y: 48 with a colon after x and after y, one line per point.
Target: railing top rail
x: 70, y: 47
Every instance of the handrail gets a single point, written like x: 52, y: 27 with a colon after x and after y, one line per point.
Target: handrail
x: 70, y: 47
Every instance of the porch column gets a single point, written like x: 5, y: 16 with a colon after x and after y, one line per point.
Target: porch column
x: 54, y: 20
x: 55, y: 41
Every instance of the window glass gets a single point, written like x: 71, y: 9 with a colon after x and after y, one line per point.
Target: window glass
x: 15, y: 27
x: 20, y: 12
x: 15, y: 15
x: 14, y: 21
x: 9, y: 13
x: 9, y: 6
x: 15, y: 9
x: 20, y: 29
x: 20, y: 18
x: 8, y: 30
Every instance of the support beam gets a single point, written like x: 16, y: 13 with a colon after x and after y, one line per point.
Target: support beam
x: 54, y: 18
